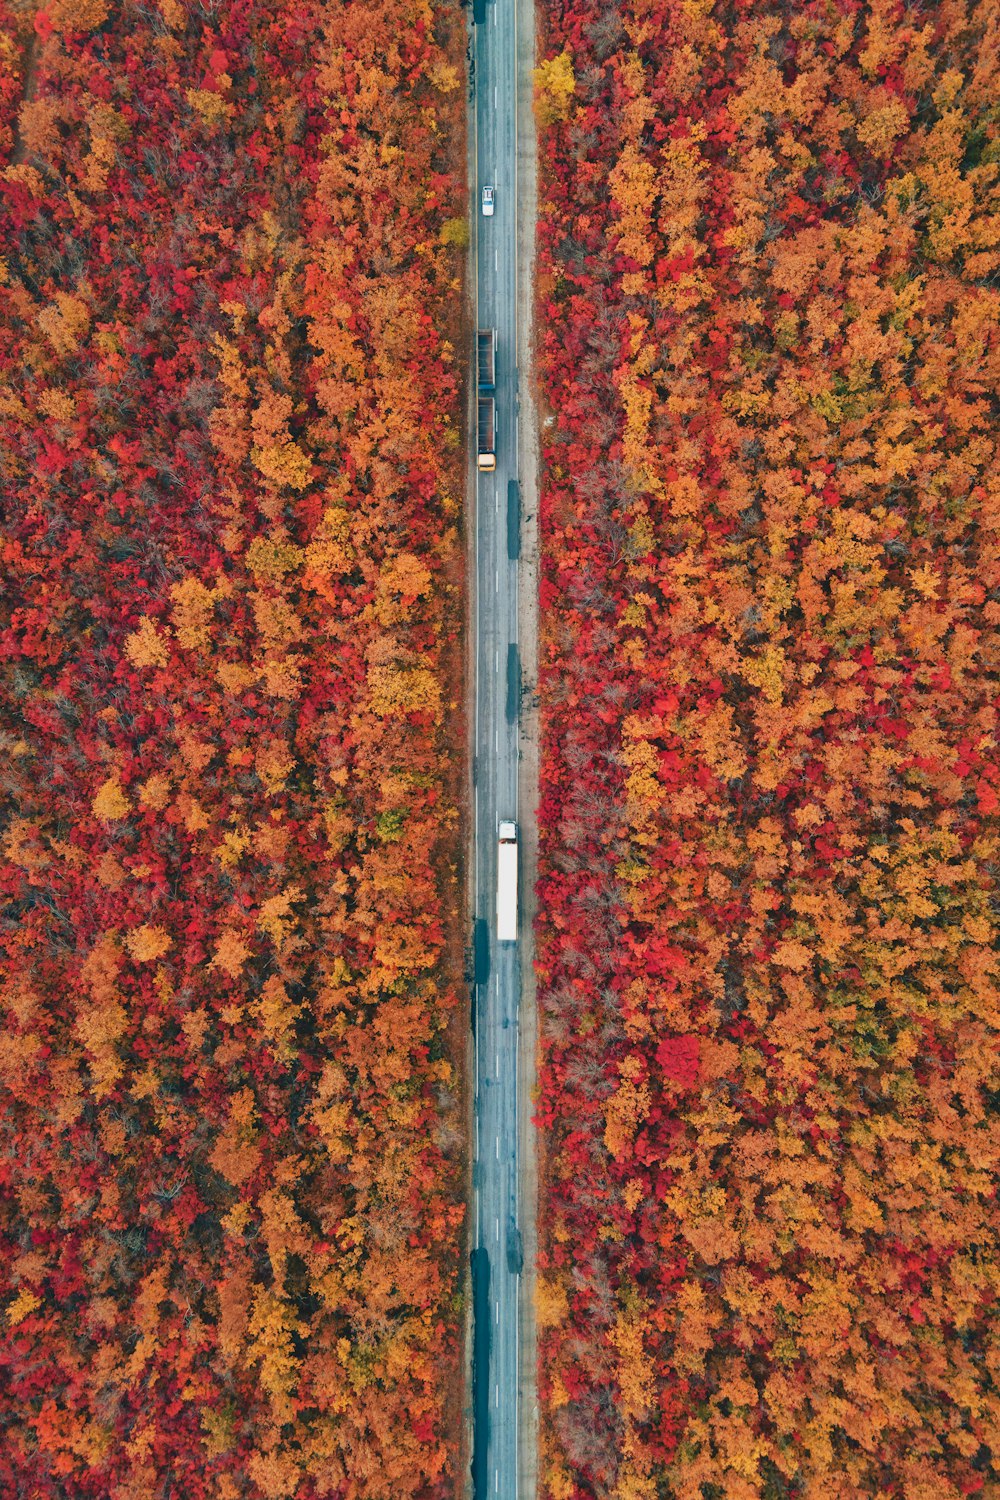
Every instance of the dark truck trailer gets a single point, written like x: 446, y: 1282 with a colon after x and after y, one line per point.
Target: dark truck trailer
x: 487, y: 432
x: 480, y: 1371
x: 513, y: 520
x: 486, y: 348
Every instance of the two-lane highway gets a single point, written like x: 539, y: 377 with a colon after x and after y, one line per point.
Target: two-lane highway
x: 497, y: 677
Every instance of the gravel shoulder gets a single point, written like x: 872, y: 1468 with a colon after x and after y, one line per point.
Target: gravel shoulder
x: 529, y: 733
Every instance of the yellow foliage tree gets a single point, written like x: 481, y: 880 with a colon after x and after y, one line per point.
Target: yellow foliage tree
x: 111, y: 803
x: 147, y: 943
x: 555, y: 85
x: 145, y: 647
x: 270, y: 1328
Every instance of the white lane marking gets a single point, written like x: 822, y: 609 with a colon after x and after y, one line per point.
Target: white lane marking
x: 496, y: 496
x: 498, y: 580
x: 494, y: 96
x: 498, y: 1313
x: 496, y: 259
x: 496, y: 1395
x: 496, y: 741
x: 498, y: 660
x: 496, y: 1148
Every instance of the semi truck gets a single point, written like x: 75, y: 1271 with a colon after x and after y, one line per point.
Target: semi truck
x: 486, y: 348
x: 507, y: 884
x: 486, y: 361
x: 487, y: 433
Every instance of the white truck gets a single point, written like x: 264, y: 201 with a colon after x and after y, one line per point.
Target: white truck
x: 507, y: 884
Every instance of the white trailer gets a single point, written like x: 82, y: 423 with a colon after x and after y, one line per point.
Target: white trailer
x: 507, y: 884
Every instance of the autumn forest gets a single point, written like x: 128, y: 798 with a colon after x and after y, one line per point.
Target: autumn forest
x: 233, y: 1140
x: 236, y: 502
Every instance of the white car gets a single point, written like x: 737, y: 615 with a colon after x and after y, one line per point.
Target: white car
x: 488, y: 202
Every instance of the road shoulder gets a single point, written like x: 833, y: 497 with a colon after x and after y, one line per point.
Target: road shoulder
x: 527, y: 172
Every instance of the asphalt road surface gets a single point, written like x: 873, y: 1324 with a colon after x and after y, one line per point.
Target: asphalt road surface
x: 497, y: 686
